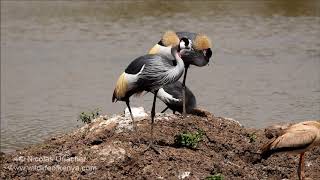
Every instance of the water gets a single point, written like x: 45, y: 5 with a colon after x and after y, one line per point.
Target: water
x: 61, y: 58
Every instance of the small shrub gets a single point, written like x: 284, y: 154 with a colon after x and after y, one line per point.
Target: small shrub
x: 217, y: 176
x: 87, y: 117
x: 189, y: 140
x: 252, y: 137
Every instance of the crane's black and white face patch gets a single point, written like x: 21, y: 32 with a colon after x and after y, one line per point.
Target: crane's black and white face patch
x: 185, y: 43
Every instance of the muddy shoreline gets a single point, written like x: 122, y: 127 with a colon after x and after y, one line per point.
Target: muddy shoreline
x: 107, y: 148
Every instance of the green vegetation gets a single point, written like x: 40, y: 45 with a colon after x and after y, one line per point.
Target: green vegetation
x: 189, y: 140
x: 87, y: 117
x: 217, y: 176
x: 252, y: 137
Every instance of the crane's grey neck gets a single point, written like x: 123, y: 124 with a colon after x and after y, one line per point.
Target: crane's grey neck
x: 175, y: 54
x: 174, y: 51
x: 176, y: 72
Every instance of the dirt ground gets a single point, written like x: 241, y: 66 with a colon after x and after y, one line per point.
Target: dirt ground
x: 102, y: 150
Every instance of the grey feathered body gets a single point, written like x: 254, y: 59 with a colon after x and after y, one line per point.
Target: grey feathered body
x: 153, y: 72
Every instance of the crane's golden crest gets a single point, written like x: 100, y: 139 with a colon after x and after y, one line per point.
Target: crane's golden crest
x: 202, y: 42
x: 170, y: 38
x: 121, y: 86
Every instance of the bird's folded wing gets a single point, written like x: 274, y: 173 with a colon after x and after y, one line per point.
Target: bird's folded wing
x: 295, y: 139
x: 158, y: 71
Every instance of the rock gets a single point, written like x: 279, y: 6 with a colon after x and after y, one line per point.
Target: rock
x: 104, y: 124
x: 111, y: 154
x: 116, y: 123
x: 233, y: 120
x: 137, y: 112
x: 183, y: 175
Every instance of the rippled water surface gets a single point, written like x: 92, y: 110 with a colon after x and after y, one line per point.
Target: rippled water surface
x: 59, y: 58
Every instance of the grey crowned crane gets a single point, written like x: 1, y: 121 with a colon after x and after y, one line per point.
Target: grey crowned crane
x: 151, y: 72
x: 171, y: 95
x: 198, y: 56
x: 297, y: 138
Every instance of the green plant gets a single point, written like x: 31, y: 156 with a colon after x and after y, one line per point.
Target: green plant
x: 87, y: 117
x: 189, y: 140
x: 252, y: 137
x: 217, y: 176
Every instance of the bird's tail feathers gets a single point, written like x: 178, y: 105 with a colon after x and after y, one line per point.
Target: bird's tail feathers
x: 121, y: 88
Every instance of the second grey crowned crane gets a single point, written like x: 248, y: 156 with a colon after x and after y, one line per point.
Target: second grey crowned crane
x: 151, y: 72
x: 198, y: 56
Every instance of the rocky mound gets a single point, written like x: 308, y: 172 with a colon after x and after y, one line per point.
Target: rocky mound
x: 107, y: 148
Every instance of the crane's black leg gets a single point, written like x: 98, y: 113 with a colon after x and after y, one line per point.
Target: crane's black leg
x: 133, y: 124
x: 184, y: 91
x: 164, y: 110
x: 153, y: 113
